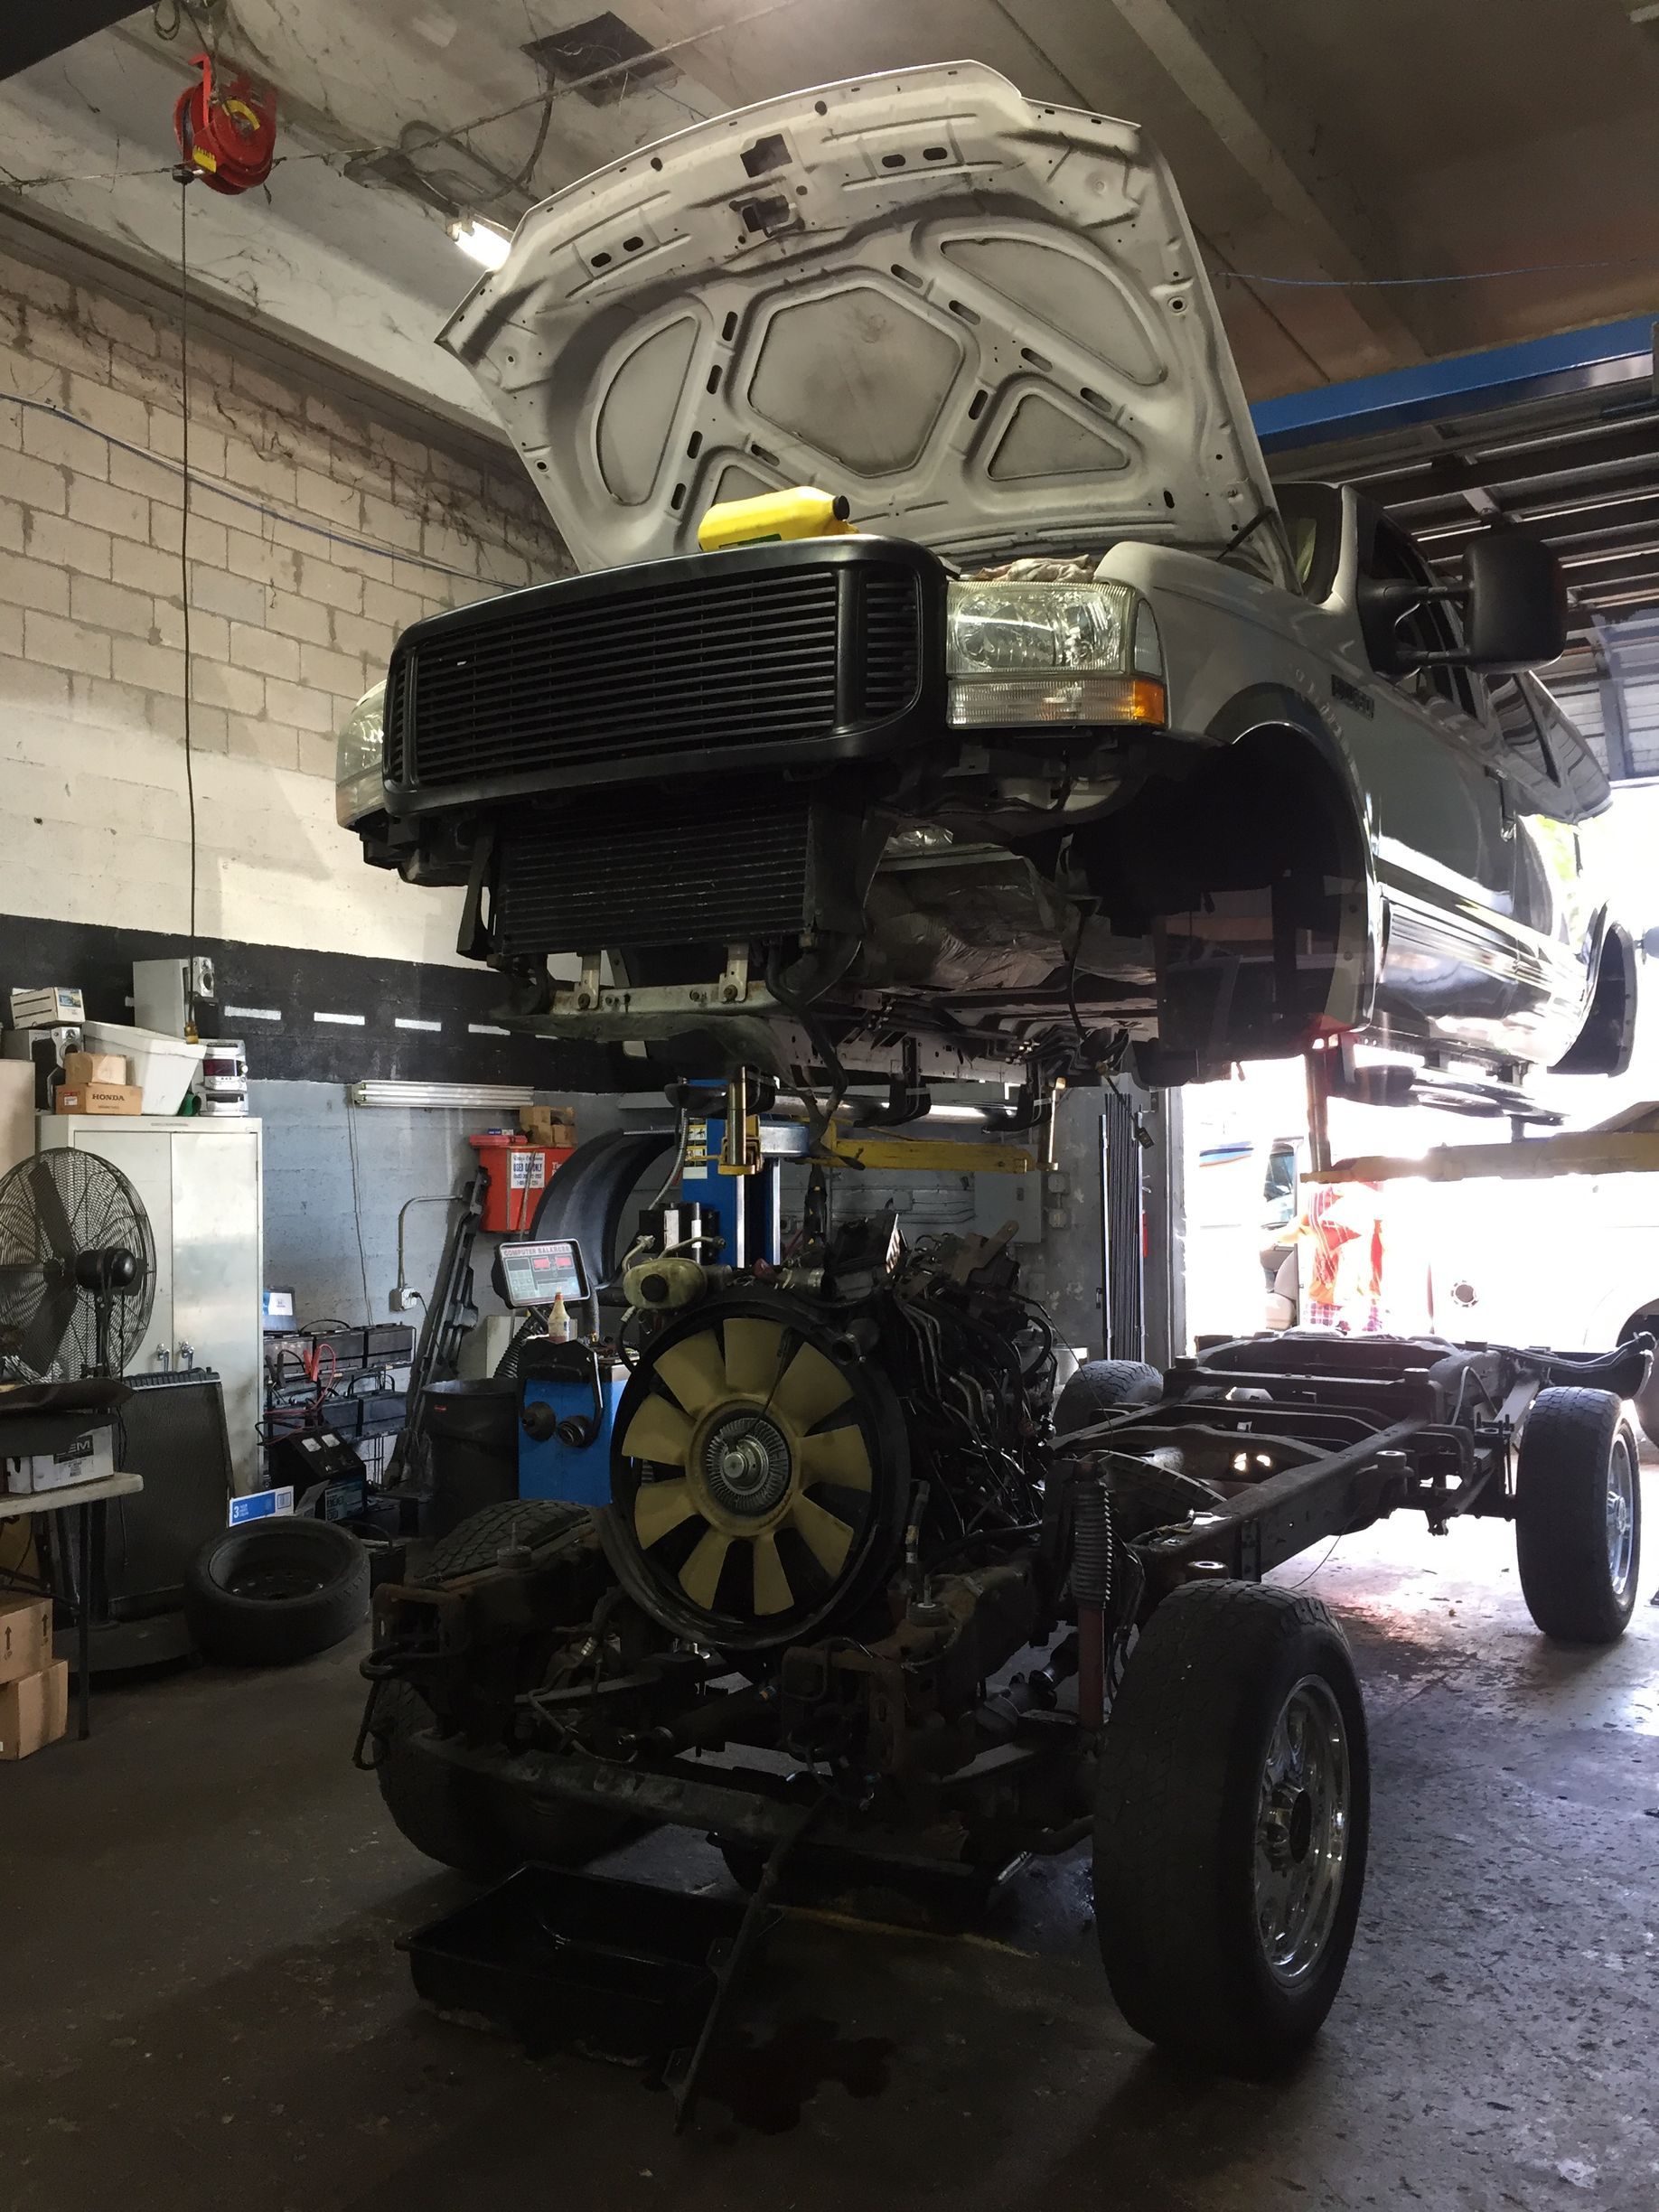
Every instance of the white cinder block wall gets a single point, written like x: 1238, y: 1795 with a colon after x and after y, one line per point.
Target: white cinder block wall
x: 325, y: 518
x: 288, y: 626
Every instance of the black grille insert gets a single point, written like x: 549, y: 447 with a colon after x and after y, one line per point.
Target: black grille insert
x: 595, y: 686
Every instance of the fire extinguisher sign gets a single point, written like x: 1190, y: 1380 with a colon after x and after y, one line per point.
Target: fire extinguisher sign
x: 528, y: 1170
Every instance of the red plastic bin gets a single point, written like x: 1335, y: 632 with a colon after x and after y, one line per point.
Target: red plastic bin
x: 519, y: 1172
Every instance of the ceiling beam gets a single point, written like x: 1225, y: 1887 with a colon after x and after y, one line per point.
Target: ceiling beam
x: 31, y: 35
x: 1209, y: 55
x: 1535, y: 467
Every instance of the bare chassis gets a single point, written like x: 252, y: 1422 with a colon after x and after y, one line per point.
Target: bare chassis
x: 1266, y: 1445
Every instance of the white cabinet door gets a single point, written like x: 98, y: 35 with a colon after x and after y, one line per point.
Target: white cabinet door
x: 199, y: 1182
x: 216, y: 1272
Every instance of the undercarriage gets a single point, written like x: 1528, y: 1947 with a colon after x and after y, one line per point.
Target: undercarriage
x: 857, y: 1582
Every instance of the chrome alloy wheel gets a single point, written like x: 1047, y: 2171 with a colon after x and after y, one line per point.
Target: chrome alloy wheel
x: 1621, y: 1516
x: 1301, y: 1853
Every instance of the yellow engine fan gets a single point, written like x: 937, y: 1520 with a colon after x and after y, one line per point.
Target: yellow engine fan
x: 760, y: 1477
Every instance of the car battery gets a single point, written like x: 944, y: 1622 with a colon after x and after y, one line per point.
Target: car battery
x: 389, y: 1344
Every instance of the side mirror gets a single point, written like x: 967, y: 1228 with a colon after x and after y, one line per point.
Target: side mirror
x: 1514, y: 602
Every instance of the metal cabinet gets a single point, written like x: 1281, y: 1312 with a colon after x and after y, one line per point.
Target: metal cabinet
x: 200, y: 1182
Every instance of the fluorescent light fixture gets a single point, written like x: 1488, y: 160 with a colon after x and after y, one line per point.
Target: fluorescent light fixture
x: 490, y: 1095
x: 484, y: 242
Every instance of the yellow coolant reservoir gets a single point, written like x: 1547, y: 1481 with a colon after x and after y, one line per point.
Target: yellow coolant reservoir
x: 803, y: 511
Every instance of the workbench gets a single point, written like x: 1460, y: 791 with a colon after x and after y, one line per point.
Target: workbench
x: 88, y: 1497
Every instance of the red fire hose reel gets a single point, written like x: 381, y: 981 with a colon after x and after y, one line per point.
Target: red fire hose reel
x: 226, y: 137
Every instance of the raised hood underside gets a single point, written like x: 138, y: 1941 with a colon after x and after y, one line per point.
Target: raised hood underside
x: 984, y: 321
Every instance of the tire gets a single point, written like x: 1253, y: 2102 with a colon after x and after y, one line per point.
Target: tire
x: 275, y: 1591
x: 1579, y: 1515
x: 454, y: 1816
x: 442, y: 1810
x: 514, y: 1524
x: 1189, y: 1850
x: 1101, y: 1386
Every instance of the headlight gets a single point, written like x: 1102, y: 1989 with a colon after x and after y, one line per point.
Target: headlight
x: 358, y: 789
x: 1051, y: 653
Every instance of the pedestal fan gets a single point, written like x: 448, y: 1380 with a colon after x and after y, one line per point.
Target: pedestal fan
x: 77, y: 1268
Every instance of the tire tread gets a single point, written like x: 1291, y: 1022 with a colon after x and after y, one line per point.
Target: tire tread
x: 1176, y: 1751
x: 1561, y: 1516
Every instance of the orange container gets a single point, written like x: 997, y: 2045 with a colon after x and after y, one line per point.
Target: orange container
x: 519, y: 1172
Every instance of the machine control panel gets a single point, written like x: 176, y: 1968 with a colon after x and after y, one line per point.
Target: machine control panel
x: 536, y: 1273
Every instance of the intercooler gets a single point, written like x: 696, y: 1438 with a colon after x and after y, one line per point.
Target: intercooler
x: 649, y: 871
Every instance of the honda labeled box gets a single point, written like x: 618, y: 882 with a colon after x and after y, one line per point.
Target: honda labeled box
x: 100, y: 1098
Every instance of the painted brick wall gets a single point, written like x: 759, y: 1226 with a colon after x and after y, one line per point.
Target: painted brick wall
x: 288, y: 626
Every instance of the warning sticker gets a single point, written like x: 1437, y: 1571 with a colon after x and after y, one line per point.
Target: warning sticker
x: 528, y: 1169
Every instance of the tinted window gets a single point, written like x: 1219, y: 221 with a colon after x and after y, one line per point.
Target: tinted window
x: 1512, y: 708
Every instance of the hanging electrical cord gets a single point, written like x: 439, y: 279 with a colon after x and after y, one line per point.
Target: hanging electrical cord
x: 356, y: 1207
x: 186, y: 176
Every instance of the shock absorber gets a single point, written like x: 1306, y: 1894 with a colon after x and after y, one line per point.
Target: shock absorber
x: 1094, y: 1543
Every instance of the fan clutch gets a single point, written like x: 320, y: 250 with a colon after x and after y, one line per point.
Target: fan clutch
x: 760, y: 1475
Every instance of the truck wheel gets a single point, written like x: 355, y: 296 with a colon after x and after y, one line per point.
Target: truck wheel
x: 438, y: 1808
x: 441, y: 1809
x: 1101, y: 1387
x: 1579, y: 1515
x: 1231, y: 1826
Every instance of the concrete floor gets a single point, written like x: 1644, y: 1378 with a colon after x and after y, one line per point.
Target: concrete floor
x: 200, y: 2005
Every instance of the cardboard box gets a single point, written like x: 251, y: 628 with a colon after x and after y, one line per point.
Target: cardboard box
x: 95, y: 1067
x: 100, y: 1098
x: 34, y: 1711
x: 38, y: 1008
x: 25, y: 1634
x: 549, y: 1125
x: 89, y: 1458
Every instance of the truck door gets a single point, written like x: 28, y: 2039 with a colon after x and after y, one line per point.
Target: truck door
x: 1445, y: 849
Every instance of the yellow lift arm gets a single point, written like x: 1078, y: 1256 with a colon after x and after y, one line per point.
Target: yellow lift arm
x: 1628, y: 1144
x: 926, y: 1156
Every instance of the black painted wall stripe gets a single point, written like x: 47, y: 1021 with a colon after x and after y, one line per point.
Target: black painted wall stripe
x: 449, y: 1033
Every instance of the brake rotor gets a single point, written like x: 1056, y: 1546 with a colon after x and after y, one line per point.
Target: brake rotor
x: 760, y: 1477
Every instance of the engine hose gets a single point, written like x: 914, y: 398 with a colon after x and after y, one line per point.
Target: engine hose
x: 1093, y: 1558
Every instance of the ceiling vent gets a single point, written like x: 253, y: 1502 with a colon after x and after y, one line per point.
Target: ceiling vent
x: 602, y: 47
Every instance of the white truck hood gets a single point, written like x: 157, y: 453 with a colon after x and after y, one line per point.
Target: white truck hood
x: 983, y: 320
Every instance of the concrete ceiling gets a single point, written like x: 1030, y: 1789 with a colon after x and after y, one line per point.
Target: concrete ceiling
x: 1323, y: 144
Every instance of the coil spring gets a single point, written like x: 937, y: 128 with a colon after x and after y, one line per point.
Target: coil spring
x: 1095, y: 1546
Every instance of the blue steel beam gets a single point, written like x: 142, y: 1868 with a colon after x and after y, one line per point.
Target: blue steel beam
x: 1611, y: 354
